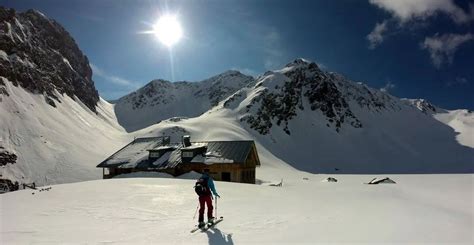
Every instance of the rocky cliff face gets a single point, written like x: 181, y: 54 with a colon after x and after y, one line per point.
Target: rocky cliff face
x: 301, y: 87
x: 39, y: 55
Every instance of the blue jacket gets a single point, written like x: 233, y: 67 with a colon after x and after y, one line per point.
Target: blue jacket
x: 210, y: 183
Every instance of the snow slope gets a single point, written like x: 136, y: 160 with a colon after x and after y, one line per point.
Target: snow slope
x: 160, y: 100
x: 418, y: 209
x: 319, y: 121
x: 56, y: 145
x: 462, y: 121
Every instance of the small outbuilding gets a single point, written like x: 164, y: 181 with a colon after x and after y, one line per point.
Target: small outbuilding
x: 385, y: 180
x: 233, y: 161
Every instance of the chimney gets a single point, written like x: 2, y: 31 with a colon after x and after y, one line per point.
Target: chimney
x: 186, y: 140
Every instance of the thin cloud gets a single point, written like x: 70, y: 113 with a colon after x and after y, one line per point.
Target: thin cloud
x: 272, y: 49
x: 376, y: 36
x: 443, y: 47
x: 90, y: 17
x: 459, y: 81
x: 113, y: 79
x: 266, y: 37
x: 388, y: 86
x: 322, y: 66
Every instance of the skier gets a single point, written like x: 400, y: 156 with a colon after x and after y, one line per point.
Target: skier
x: 205, y: 188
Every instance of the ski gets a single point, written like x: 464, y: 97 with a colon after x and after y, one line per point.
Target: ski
x: 207, y: 226
x: 195, y: 229
x: 210, y: 225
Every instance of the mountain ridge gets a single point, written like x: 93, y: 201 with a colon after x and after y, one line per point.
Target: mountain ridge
x: 161, y: 99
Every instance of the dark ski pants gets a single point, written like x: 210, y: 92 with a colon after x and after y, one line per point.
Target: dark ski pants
x: 205, y: 200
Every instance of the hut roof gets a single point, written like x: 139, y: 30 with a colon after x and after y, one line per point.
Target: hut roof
x: 135, y: 154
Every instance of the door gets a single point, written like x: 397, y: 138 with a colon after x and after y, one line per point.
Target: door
x: 226, y: 176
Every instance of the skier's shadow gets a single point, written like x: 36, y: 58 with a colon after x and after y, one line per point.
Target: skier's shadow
x: 217, y: 237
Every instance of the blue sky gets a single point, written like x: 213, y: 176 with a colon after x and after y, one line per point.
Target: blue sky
x: 410, y: 48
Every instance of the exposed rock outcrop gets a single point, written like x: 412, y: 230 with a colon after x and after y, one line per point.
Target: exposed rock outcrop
x: 38, y: 54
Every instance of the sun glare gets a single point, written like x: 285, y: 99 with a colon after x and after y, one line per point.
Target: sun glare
x: 168, y: 30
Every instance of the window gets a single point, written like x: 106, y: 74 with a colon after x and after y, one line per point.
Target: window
x: 187, y: 154
x: 154, y: 154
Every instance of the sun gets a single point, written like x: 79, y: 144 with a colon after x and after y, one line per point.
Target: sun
x: 168, y: 30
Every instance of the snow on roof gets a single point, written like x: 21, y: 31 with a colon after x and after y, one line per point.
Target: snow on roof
x: 132, y: 154
x: 330, y: 179
x: 164, y: 147
x: 210, y: 159
x: 195, y: 146
x: 136, y: 154
x: 386, y: 180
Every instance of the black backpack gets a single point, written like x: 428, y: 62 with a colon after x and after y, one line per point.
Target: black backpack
x: 201, y: 187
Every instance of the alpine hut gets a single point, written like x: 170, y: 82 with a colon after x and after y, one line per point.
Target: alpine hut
x: 233, y: 161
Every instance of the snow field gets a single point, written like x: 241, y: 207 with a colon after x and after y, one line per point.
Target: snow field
x: 418, y: 209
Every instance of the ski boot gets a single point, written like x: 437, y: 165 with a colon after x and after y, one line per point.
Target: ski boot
x: 201, y: 225
x: 211, y: 221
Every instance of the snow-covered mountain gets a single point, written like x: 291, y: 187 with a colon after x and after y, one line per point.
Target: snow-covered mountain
x: 321, y: 122
x: 54, y: 127
x: 425, y: 106
x: 59, y: 144
x: 160, y: 99
x: 299, y: 116
x: 38, y: 54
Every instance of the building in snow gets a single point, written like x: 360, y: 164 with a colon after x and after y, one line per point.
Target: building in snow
x: 233, y: 161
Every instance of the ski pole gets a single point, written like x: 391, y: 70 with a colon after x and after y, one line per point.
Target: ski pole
x: 216, y: 207
x: 194, y: 217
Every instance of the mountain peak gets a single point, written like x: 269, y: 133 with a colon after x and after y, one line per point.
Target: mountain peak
x: 158, y: 81
x: 227, y: 74
x: 231, y: 72
x: 299, y: 61
x: 37, y: 13
x: 231, y: 78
